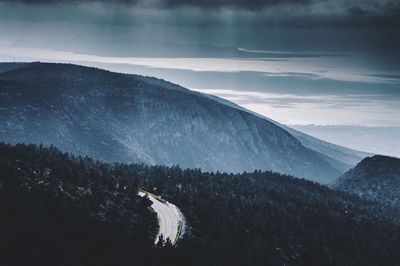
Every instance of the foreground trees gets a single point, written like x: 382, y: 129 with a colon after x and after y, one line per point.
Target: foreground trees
x: 57, y: 209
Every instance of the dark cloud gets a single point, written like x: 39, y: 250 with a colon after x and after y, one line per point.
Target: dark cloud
x: 357, y: 10
x: 245, y: 4
x: 251, y: 5
x: 353, y: 7
x: 298, y: 13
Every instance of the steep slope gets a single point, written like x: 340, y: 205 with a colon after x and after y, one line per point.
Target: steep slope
x: 339, y: 156
x: 374, y: 178
x: 129, y: 118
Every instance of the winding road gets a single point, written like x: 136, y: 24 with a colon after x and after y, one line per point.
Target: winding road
x: 170, y: 218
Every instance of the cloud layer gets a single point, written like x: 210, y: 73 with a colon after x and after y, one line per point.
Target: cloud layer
x: 356, y: 7
x: 262, y: 12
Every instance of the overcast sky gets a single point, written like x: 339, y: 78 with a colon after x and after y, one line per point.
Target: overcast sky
x: 298, y: 62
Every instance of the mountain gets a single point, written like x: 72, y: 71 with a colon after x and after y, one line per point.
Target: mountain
x: 345, y: 157
x: 59, y: 209
x: 130, y: 118
x: 374, y: 178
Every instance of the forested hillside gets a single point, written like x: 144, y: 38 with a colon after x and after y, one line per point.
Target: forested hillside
x: 63, y: 210
x: 60, y: 210
x: 374, y: 178
x: 264, y: 218
x: 117, y: 117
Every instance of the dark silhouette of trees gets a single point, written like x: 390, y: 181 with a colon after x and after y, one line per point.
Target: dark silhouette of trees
x: 58, y: 209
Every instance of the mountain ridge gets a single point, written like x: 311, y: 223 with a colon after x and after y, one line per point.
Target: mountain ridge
x: 131, y: 118
x: 347, y: 156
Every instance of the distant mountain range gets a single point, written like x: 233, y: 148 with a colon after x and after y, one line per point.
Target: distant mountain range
x: 129, y: 118
x: 378, y: 140
x: 374, y: 178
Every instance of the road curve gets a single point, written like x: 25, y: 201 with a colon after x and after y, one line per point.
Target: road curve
x: 170, y: 218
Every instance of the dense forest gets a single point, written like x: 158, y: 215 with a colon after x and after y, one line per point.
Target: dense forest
x: 374, y: 178
x: 59, y: 209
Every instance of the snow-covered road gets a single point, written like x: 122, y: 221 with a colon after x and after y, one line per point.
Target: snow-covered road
x: 170, y: 218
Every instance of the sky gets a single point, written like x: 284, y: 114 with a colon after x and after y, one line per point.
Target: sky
x: 323, y: 62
